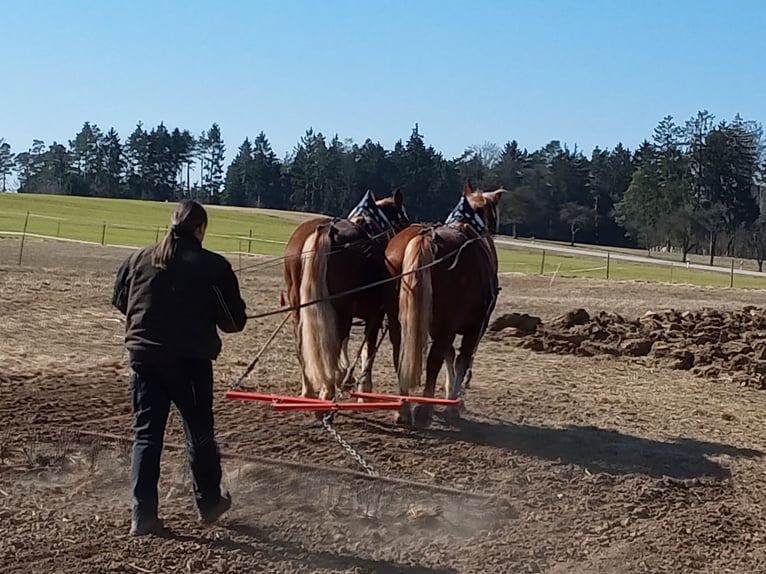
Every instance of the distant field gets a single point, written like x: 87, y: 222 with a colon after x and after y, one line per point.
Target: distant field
x: 720, y: 260
x: 133, y: 222
x: 520, y: 261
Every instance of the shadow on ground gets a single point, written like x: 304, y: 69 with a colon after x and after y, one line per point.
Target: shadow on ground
x: 252, y: 540
x: 597, y: 449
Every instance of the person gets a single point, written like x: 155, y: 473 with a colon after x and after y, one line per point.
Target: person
x: 174, y: 295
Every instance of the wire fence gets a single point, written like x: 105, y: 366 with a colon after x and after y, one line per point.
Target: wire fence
x: 616, y: 266
x: 254, y: 252
x: 30, y: 226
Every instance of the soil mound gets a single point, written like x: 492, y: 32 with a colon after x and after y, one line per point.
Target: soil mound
x: 708, y: 342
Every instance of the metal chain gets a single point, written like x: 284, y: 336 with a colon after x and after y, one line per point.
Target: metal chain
x: 326, y: 422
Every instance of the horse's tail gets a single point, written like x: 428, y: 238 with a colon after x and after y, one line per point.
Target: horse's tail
x: 415, y: 310
x: 320, y: 344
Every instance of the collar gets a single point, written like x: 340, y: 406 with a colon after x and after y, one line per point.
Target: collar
x: 464, y: 213
x: 188, y: 241
x: 370, y: 213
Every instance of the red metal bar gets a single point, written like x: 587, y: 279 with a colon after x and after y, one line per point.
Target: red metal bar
x: 253, y: 396
x: 406, y: 398
x: 347, y: 406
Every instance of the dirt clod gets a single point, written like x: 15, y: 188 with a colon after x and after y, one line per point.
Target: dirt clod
x: 709, y: 342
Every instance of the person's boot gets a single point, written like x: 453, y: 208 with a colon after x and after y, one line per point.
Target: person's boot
x: 144, y: 526
x: 214, y: 512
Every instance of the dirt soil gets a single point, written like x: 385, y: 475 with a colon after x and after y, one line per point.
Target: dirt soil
x: 570, y: 458
x: 711, y: 343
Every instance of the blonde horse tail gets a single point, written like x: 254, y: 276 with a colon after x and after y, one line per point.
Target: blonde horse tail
x: 415, y: 310
x: 320, y: 344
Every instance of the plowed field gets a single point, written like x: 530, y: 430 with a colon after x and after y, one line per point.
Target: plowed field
x: 620, y: 432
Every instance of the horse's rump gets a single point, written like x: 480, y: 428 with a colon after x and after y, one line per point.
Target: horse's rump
x: 465, y: 282
x: 358, y: 265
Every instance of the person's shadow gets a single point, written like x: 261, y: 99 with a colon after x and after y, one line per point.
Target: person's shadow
x: 598, y: 450
x: 265, y: 545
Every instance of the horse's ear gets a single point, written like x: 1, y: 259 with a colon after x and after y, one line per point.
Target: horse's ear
x: 372, y: 195
x: 496, y: 195
x: 398, y: 200
x: 467, y: 189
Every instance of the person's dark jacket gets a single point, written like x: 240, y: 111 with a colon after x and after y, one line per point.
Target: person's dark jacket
x: 175, y: 312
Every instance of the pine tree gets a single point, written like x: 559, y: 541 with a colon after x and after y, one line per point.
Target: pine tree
x: 240, y: 184
x: 6, y: 163
x: 268, y: 176
x: 213, y: 155
x: 114, y: 165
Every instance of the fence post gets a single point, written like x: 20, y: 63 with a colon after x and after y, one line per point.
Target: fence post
x: 608, y: 258
x: 23, y: 236
x: 731, y: 275
x: 239, y: 252
x: 672, y: 266
x: 250, y: 241
x: 157, y: 237
x: 542, y: 264
x: 103, y: 234
x: 58, y: 229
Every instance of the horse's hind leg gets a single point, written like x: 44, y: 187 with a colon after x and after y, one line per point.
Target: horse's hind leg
x: 369, y: 350
x: 307, y: 389
x: 449, y: 361
x: 463, y: 367
x: 391, y: 305
x: 344, y: 332
x: 441, y: 348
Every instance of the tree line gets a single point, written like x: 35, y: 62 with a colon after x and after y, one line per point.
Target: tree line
x: 694, y: 187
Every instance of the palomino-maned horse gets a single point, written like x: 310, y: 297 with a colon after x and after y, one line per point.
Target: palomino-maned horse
x: 449, y: 287
x: 329, y: 256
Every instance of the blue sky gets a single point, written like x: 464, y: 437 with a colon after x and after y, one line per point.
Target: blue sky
x: 586, y: 73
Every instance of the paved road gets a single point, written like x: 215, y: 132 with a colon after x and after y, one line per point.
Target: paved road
x: 584, y: 252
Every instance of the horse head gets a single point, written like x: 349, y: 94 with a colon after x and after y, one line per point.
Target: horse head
x: 383, y: 214
x: 393, y: 209
x: 479, y: 209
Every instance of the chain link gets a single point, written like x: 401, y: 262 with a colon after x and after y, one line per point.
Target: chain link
x: 326, y: 422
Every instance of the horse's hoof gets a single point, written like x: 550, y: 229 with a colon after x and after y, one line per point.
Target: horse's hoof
x: 452, y: 414
x: 423, y: 415
x: 403, y: 416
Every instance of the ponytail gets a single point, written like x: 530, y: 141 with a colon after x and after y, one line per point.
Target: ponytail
x: 164, y: 251
x: 188, y: 216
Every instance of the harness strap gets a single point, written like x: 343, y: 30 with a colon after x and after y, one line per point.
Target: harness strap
x: 358, y: 289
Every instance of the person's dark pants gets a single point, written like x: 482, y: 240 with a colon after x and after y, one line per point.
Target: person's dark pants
x: 154, y: 386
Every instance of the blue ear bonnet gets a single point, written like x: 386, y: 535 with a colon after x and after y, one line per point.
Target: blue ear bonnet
x: 464, y: 212
x: 370, y: 212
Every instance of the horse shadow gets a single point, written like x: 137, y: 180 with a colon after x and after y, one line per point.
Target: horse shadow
x: 599, y: 450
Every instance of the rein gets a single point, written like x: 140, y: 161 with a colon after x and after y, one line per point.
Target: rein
x: 365, y: 287
x: 337, y: 249
x: 455, y: 223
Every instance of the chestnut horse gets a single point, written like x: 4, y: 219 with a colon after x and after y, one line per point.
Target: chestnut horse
x: 449, y: 287
x: 329, y: 256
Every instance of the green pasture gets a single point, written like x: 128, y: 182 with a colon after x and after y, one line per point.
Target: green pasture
x: 136, y: 223
x: 519, y: 261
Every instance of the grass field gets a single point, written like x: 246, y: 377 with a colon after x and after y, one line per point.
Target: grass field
x: 520, y: 261
x: 133, y: 222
